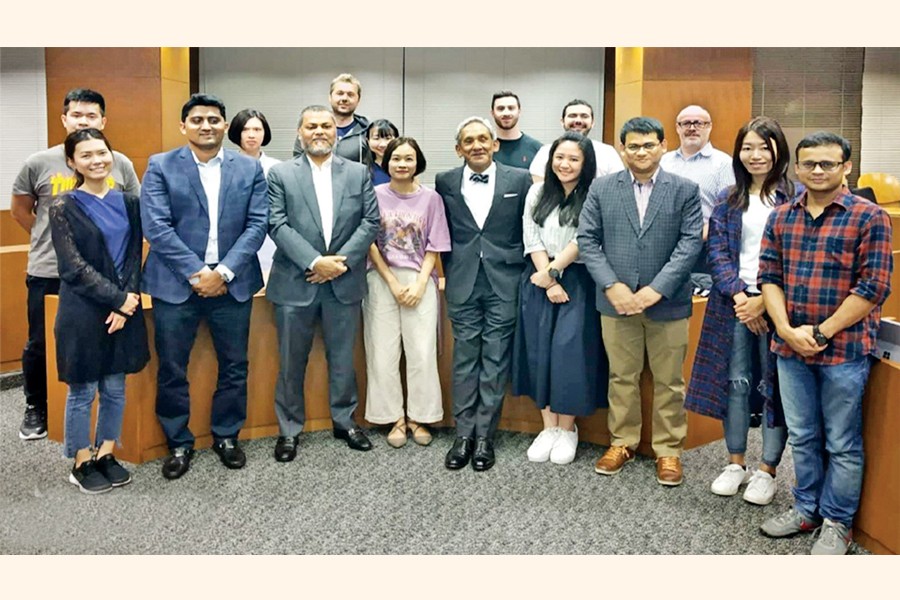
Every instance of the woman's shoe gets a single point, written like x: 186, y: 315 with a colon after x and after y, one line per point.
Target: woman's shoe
x: 397, y: 436
x: 420, y: 433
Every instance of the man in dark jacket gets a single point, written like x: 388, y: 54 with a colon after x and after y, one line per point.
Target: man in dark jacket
x: 352, y: 129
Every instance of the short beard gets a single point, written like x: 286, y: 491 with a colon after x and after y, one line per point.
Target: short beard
x: 320, y: 151
x: 500, y: 126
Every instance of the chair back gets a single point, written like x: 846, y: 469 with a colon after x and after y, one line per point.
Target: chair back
x: 886, y: 186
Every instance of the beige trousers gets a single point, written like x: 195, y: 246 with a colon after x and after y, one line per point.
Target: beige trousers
x: 626, y: 339
x: 387, y: 325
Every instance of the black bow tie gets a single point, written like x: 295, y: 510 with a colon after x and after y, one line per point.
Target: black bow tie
x: 479, y: 177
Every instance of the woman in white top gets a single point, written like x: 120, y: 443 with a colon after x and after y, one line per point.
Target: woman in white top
x: 250, y: 131
x: 558, y: 357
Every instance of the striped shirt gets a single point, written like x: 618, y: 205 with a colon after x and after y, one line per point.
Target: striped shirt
x: 551, y: 236
x: 710, y: 169
x: 819, y: 262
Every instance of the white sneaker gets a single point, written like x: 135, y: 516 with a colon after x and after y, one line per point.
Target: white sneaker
x: 761, y: 489
x: 540, y: 448
x: 731, y: 478
x: 563, y: 451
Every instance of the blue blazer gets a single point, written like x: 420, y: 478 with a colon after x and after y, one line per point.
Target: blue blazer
x: 175, y: 216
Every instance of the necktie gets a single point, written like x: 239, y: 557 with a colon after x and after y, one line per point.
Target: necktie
x: 479, y: 177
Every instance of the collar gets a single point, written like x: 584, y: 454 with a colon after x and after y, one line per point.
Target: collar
x: 491, y: 171
x: 326, y: 164
x: 842, y: 198
x: 220, y: 156
x: 706, y: 151
x: 652, y: 177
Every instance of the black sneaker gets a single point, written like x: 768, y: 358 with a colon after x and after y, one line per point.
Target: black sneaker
x: 88, y: 479
x: 34, y: 425
x: 115, y: 473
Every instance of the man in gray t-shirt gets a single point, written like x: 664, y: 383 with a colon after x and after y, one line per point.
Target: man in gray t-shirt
x: 42, y: 178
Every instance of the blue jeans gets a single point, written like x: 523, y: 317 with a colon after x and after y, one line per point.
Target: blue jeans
x: 737, y: 419
x: 78, y: 413
x: 823, y: 410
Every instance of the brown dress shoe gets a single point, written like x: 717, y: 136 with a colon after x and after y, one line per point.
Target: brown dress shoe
x: 668, y: 470
x: 613, y: 460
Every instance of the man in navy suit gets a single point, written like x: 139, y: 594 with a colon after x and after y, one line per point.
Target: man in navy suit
x: 204, y: 212
x: 324, y: 216
x: 484, y: 201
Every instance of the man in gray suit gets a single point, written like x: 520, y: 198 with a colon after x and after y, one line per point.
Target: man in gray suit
x: 484, y: 202
x: 639, y: 234
x: 323, y: 219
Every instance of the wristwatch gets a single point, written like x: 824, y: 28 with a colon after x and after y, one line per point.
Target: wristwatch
x: 553, y: 272
x: 819, y: 336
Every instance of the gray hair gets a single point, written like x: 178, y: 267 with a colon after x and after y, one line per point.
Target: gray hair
x: 473, y: 119
x: 314, y: 108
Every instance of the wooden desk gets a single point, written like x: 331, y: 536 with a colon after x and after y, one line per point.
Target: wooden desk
x: 13, y: 306
x: 143, y: 439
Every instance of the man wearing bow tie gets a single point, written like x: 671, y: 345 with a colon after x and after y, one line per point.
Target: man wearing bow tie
x: 484, y: 202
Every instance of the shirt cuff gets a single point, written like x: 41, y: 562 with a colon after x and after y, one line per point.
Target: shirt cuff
x: 313, y: 263
x: 226, y: 273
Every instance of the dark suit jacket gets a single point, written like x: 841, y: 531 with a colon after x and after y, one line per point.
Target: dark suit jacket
x: 175, y: 213
x: 498, y: 246
x: 295, y: 225
x: 90, y: 288
x: 616, y: 247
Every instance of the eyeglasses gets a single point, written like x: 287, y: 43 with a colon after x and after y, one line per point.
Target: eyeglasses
x: 693, y: 124
x: 635, y: 148
x: 827, y: 165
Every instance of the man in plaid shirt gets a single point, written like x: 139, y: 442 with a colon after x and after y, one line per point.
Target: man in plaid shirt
x: 824, y: 269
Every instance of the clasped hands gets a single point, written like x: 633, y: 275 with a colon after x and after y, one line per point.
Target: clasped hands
x: 555, y: 291
x: 327, y: 268
x: 208, y: 283
x: 408, y: 295
x: 629, y: 303
x: 750, y: 311
x: 117, y: 321
x: 801, y: 340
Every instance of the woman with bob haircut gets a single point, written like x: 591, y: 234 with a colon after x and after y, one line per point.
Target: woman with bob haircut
x: 736, y: 331
x: 402, y: 304
x: 380, y: 134
x: 558, y: 358
x: 100, y: 330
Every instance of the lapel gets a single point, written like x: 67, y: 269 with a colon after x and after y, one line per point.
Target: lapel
x: 227, y: 173
x: 338, y: 182
x: 193, y: 175
x: 307, y: 189
x: 658, y: 197
x: 456, y: 177
x: 629, y: 202
x: 499, y: 189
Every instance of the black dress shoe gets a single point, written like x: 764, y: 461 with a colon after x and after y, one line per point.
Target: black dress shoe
x: 355, y: 438
x: 483, y: 457
x: 178, y: 463
x: 230, y: 453
x: 286, y: 448
x: 459, y: 454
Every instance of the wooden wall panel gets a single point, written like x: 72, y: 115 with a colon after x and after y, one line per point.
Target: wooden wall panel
x: 13, y: 307
x: 11, y: 233
x: 698, y: 64
x: 173, y: 95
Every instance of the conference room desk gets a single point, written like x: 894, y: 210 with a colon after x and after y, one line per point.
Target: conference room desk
x: 143, y: 440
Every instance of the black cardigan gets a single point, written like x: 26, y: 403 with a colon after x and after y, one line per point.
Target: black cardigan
x: 90, y: 288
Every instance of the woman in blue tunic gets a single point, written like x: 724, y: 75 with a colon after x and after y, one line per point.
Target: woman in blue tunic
x: 559, y: 359
x: 736, y: 332
x: 380, y: 134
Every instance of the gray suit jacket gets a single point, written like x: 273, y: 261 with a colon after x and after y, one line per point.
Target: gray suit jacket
x: 295, y: 225
x: 615, y: 247
x: 498, y: 245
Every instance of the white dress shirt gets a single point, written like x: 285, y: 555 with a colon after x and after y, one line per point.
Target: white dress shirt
x: 324, y: 197
x: 479, y: 196
x: 211, y: 179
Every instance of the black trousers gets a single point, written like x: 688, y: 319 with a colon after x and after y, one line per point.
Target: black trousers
x: 34, y: 356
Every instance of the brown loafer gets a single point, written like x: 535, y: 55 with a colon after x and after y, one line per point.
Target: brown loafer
x: 669, y: 471
x: 613, y: 460
x: 420, y: 433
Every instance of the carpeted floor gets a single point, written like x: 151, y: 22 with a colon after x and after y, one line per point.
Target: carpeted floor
x: 332, y: 500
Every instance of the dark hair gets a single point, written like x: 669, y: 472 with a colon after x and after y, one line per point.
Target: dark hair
x: 382, y: 127
x: 642, y: 125
x: 84, y: 95
x: 824, y: 138
x: 505, y: 94
x: 78, y: 136
x: 553, y: 195
x: 240, y: 120
x: 202, y: 100
x: 575, y: 102
x: 396, y: 143
x: 769, y: 130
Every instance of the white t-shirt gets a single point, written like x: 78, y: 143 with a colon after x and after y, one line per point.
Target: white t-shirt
x: 753, y: 225
x: 608, y: 160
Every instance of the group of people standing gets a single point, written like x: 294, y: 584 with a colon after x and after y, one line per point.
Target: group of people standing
x: 798, y: 275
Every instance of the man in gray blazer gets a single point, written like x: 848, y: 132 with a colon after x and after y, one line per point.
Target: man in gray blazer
x: 323, y: 218
x: 640, y: 234
x: 484, y: 202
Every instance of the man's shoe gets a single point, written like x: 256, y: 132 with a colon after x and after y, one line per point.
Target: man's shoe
x: 539, y: 450
x: 787, y: 524
x: 761, y: 489
x: 115, y: 473
x: 356, y: 438
x: 230, y: 453
x: 834, y: 539
x: 483, y: 457
x: 613, y: 460
x: 88, y: 479
x: 178, y: 463
x: 34, y: 425
x: 669, y: 471
x: 286, y: 448
x: 459, y: 454
x: 730, y: 480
